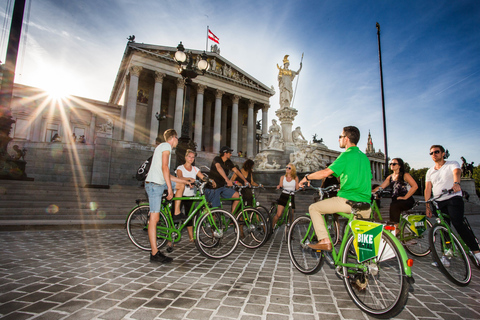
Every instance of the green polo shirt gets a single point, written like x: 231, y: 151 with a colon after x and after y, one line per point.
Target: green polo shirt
x: 353, y: 168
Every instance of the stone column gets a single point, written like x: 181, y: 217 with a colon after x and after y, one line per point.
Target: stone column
x: 223, y: 130
x: 131, y: 103
x: 177, y: 122
x: 199, y: 116
x: 37, y: 127
x: 156, y: 106
x: 216, y: 121
x: 250, y: 130
x: 91, y: 135
x: 66, y: 127
x: 234, y: 134
x: 207, y: 141
x: 171, y: 109
x: 264, y: 125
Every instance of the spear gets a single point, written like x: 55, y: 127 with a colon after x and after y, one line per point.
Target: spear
x: 296, y: 85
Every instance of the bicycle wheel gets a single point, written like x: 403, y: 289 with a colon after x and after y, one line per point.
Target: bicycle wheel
x: 450, y: 257
x: 137, y: 228
x: 253, y: 228
x: 266, y: 214
x: 333, y: 228
x: 217, y: 234
x: 381, y: 289
x: 417, y: 245
x: 288, y: 218
x: 305, y: 259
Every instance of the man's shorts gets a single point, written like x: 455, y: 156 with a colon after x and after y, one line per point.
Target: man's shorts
x: 213, y: 195
x: 155, y: 192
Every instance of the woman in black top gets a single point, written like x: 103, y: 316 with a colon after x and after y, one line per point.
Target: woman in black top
x: 403, y: 188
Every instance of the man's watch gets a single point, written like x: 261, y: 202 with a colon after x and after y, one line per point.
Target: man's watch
x: 306, y: 177
x: 457, y: 183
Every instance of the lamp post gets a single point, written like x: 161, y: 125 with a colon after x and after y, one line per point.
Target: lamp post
x: 258, y: 135
x: 189, y: 71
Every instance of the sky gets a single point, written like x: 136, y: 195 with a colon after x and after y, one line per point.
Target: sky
x: 430, y: 58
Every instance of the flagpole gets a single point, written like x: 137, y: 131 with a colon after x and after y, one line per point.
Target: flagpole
x: 296, y: 85
x: 206, y: 45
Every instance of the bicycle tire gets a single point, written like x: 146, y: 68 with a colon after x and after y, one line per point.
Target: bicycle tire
x: 382, y: 291
x: 289, y: 218
x: 305, y: 259
x: 419, y: 246
x: 253, y: 228
x: 266, y: 214
x: 333, y: 228
x: 458, y: 269
x: 137, y: 228
x: 217, y: 234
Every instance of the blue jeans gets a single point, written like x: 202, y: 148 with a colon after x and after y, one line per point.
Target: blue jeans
x: 214, y: 195
x: 155, y: 192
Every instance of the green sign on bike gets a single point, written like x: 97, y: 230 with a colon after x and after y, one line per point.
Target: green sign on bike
x: 367, y: 238
x: 417, y: 224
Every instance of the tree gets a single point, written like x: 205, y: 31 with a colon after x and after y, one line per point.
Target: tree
x: 419, y: 176
x: 476, y: 177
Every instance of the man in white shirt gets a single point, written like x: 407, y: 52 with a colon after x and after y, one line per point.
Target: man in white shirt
x: 159, y: 179
x: 446, y: 175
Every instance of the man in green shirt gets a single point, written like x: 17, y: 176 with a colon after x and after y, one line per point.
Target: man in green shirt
x: 353, y: 168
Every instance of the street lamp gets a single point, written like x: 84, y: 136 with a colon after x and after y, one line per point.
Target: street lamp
x: 189, y: 71
x: 258, y: 135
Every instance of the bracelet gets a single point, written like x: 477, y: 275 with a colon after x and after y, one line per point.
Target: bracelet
x: 457, y: 183
x: 306, y: 177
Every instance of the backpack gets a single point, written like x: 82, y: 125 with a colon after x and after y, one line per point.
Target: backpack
x: 142, y: 171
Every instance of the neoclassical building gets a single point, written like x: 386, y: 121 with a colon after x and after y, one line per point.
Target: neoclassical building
x: 147, y: 98
x: 225, y: 102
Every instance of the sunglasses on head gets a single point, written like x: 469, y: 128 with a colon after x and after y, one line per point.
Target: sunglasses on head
x: 435, y: 152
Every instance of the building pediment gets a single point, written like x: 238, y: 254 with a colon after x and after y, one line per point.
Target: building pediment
x: 220, y: 68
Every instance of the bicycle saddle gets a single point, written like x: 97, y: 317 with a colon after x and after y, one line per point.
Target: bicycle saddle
x: 359, y: 205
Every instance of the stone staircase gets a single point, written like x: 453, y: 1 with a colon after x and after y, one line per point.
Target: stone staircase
x: 31, y: 204
x: 47, y: 205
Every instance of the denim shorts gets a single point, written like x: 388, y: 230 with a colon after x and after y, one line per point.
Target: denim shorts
x: 214, y: 195
x: 155, y: 192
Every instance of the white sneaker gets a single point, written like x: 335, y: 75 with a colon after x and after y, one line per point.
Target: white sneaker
x: 444, y: 261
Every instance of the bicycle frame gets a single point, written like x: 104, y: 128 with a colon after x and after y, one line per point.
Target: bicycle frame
x: 200, y: 208
x: 441, y: 220
x: 337, y: 255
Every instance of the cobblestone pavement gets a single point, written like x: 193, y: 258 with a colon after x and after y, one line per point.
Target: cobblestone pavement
x: 99, y: 274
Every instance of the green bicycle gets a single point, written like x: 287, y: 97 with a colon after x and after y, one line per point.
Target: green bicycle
x: 287, y: 215
x: 252, y: 223
x: 449, y: 251
x: 215, y: 230
x: 413, y: 228
x: 371, y: 262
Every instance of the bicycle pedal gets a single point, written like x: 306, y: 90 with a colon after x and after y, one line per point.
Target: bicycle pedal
x: 169, y: 249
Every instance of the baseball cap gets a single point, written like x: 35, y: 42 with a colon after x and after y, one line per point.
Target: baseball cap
x: 225, y: 149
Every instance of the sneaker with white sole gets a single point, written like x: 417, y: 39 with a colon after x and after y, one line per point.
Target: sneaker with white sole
x: 444, y: 261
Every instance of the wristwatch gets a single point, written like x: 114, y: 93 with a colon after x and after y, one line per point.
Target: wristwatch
x: 306, y: 177
x: 457, y: 183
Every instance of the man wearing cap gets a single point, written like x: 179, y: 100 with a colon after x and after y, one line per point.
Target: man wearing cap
x: 220, y: 168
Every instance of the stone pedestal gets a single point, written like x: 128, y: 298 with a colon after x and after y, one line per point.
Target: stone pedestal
x: 286, y: 117
x: 468, y: 185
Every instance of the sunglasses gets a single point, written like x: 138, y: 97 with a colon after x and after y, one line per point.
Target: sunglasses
x: 435, y: 152
x: 393, y: 164
x: 289, y: 168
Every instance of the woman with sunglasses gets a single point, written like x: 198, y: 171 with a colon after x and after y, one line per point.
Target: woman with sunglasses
x: 289, y: 182
x: 403, y: 187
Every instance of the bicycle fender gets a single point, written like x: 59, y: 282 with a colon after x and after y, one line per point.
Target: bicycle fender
x: 403, y: 253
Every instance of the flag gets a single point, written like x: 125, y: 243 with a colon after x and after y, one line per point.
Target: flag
x: 213, y: 37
